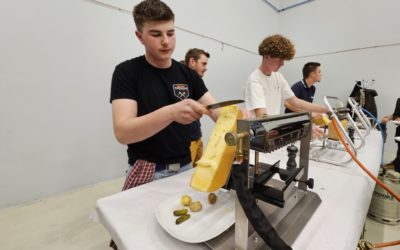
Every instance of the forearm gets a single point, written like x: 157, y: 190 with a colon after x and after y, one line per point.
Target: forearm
x: 135, y: 129
x: 291, y: 107
x: 208, y: 99
x: 310, y: 107
x: 260, y: 112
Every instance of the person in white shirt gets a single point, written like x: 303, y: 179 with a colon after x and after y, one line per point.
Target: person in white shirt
x: 266, y: 88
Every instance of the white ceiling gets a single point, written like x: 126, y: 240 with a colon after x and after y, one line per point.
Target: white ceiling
x: 281, y: 5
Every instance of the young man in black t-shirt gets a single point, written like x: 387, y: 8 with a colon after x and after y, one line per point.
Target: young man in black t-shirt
x: 154, y: 98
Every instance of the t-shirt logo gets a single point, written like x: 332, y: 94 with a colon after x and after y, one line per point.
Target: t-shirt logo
x: 181, y: 90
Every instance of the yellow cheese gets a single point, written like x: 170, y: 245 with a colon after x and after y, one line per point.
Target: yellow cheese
x: 214, y: 166
x: 332, y: 132
x: 323, y: 121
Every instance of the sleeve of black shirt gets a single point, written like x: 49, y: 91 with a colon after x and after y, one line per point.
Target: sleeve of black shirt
x: 122, y: 85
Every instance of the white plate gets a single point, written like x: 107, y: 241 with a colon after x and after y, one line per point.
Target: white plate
x: 202, y: 226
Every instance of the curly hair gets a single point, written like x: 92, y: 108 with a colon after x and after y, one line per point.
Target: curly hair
x: 151, y: 10
x: 277, y: 46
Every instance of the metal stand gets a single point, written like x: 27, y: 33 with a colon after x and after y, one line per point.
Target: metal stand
x: 320, y: 152
x: 286, y: 201
x: 357, y: 110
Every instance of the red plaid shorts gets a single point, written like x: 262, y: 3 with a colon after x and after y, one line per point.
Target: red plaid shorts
x: 142, y: 172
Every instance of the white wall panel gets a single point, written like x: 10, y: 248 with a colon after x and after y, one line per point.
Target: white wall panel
x: 55, y: 73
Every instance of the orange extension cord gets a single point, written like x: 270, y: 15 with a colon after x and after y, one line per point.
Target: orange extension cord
x: 335, y: 125
x: 340, y: 135
x: 387, y: 244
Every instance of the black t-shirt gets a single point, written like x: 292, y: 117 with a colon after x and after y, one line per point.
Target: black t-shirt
x: 396, y: 114
x: 153, y: 88
x: 302, y: 91
x: 195, y: 129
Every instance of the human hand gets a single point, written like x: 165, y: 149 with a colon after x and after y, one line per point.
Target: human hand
x: 385, y: 119
x: 246, y: 114
x: 317, y: 132
x: 316, y: 116
x: 188, y: 111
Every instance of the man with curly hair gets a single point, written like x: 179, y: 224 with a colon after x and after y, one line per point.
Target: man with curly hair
x: 266, y: 87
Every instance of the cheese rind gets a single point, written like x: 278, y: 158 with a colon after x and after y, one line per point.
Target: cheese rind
x: 213, y: 168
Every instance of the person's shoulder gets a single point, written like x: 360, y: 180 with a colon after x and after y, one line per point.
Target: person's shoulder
x: 132, y: 63
x: 298, y: 84
x: 277, y: 75
x: 181, y: 66
x: 255, y: 75
x: 190, y: 73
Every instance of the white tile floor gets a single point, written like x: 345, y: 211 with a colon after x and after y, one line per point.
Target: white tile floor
x: 62, y: 222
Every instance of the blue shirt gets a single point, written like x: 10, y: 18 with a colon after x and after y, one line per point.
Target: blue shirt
x: 302, y: 91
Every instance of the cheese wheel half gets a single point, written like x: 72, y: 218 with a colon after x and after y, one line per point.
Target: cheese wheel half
x: 213, y: 168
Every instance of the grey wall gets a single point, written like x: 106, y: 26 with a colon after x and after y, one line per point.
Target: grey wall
x: 325, y: 26
x: 57, y: 61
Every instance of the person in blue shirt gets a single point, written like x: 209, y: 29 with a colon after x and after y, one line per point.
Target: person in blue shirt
x: 305, y: 88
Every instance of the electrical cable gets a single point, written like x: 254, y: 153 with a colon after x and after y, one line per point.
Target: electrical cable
x: 380, y: 183
x: 387, y: 244
x: 340, y: 135
x: 256, y: 217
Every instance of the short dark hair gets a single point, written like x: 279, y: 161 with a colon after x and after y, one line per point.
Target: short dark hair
x: 277, y: 46
x: 195, y: 54
x: 151, y: 10
x: 309, y: 67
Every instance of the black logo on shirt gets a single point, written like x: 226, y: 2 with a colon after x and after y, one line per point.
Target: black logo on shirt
x: 181, y: 91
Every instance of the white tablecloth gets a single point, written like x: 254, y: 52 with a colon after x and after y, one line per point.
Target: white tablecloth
x: 345, y: 191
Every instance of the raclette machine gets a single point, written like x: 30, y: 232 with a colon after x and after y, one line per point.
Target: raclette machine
x: 280, y: 195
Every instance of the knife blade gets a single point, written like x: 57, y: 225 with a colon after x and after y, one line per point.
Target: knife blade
x: 223, y: 104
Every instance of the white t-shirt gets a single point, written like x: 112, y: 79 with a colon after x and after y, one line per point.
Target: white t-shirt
x: 262, y: 91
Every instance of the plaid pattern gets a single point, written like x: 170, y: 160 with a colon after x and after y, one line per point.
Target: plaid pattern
x: 142, y: 172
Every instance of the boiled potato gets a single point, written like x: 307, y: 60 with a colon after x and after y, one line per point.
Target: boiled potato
x: 212, y: 198
x: 186, y: 200
x: 195, y: 206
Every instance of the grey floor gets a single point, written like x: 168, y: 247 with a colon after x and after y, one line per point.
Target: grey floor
x: 62, y: 222
x: 57, y: 223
